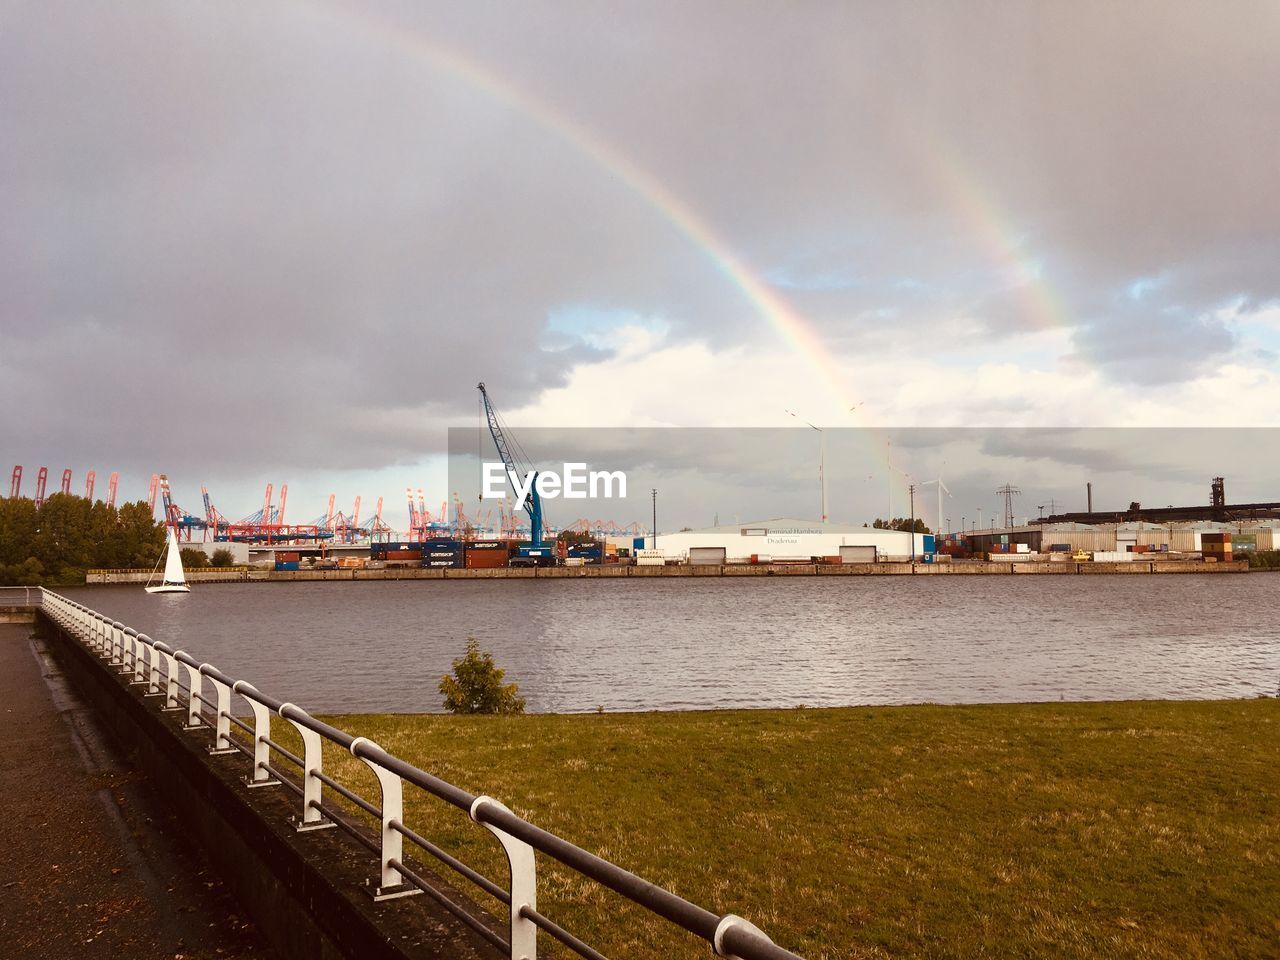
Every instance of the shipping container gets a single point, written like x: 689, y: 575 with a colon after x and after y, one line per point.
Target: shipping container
x: 287, y: 556
x: 486, y: 559
x: 403, y: 555
x: 288, y: 565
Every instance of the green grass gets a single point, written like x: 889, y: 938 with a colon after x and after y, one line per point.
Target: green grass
x: 1116, y: 830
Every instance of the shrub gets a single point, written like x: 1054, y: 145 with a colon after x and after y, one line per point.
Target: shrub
x: 193, y: 558
x: 476, y: 685
x: 222, y: 558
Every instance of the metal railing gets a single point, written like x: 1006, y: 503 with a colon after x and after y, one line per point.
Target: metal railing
x: 20, y: 596
x: 178, y: 682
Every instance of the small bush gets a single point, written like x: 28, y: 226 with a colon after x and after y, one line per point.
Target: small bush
x: 193, y: 559
x: 222, y: 558
x: 476, y: 685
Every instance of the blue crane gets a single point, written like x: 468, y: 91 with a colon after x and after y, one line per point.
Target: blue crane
x: 538, y: 552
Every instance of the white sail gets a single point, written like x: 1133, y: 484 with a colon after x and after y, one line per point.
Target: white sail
x: 173, y: 562
x: 175, y: 581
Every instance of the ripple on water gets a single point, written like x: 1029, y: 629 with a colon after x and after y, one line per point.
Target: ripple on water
x: 668, y: 645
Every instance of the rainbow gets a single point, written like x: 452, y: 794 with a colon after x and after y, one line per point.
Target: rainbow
x: 961, y: 188
x: 789, y: 325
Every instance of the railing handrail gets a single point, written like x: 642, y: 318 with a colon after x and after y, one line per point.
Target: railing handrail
x: 728, y: 935
x: 31, y: 596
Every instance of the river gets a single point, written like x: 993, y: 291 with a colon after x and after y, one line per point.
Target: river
x: 576, y: 645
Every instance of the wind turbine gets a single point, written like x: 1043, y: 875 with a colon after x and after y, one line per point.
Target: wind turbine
x: 942, y: 488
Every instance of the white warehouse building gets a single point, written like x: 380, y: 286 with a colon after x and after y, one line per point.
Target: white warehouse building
x: 786, y: 538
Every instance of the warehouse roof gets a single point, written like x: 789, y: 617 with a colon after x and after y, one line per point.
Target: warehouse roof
x: 791, y: 526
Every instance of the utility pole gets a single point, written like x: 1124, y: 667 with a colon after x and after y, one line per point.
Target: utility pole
x: 822, y: 461
x: 655, y: 518
x: 1008, y: 491
x: 912, y: 490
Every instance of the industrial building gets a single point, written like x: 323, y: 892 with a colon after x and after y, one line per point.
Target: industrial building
x: 1186, y: 536
x: 784, y: 539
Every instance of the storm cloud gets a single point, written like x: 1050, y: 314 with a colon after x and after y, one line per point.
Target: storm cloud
x: 238, y: 239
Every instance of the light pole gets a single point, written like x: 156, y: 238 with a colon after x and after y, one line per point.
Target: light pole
x: 822, y: 461
x: 912, y: 490
x: 948, y: 526
x: 655, y: 518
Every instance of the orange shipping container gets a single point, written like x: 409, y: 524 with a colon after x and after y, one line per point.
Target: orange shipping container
x: 486, y: 559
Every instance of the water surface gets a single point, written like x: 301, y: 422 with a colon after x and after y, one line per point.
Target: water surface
x: 576, y: 645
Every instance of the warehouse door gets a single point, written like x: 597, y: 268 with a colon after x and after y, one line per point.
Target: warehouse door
x: 707, y: 556
x: 858, y: 554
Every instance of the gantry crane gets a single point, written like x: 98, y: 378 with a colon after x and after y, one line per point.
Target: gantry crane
x: 538, y: 553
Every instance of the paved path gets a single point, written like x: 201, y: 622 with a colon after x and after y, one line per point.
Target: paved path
x: 90, y: 867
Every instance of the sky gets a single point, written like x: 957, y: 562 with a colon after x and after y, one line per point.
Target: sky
x: 245, y: 243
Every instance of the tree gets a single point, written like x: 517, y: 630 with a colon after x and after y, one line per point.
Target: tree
x: 222, y: 557
x: 900, y: 523
x: 193, y: 558
x: 476, y: 685
x: 69, y: 535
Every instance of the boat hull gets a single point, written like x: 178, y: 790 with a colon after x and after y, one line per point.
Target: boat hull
x: 170, y: 588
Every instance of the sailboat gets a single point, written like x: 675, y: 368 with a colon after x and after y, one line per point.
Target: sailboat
x: 175, y: 581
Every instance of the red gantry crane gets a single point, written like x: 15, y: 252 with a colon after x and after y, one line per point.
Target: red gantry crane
x: 15, y: 483
x: 66, y: 481
x: 89, y: 479
x: 112, y: 484
x: 41, y: 479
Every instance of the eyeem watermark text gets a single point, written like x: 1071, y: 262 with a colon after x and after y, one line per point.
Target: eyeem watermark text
x: 575, y: 483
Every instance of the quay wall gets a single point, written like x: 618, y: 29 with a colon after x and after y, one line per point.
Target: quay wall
x: 615, y: 571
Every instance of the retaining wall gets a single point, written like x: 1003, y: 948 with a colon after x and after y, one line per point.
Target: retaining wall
x: 304, y: 890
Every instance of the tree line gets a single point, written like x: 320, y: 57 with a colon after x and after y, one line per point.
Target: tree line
x: 68, y: 535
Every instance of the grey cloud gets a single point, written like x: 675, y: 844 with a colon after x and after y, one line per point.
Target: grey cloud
x: 310, y: 236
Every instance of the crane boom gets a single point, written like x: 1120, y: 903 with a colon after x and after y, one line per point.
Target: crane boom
x: 533, y: 502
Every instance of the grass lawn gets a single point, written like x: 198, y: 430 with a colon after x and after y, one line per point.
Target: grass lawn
x: 1143, y: 829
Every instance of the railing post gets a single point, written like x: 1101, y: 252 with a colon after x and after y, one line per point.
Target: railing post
x: 222, y: 718
x: 171, y: 682
x: 195, y: 687
x: 391, y: 882
x: 261, y: 776
x: 312, y: 786
x: 139, y: 663
x: 728, y: 923
x: 153, y: 666
x: 117, y: 641
x: 524, y: 883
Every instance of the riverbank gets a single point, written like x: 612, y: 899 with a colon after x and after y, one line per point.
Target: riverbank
x: 616, y: 571
x: 1108, y: 830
